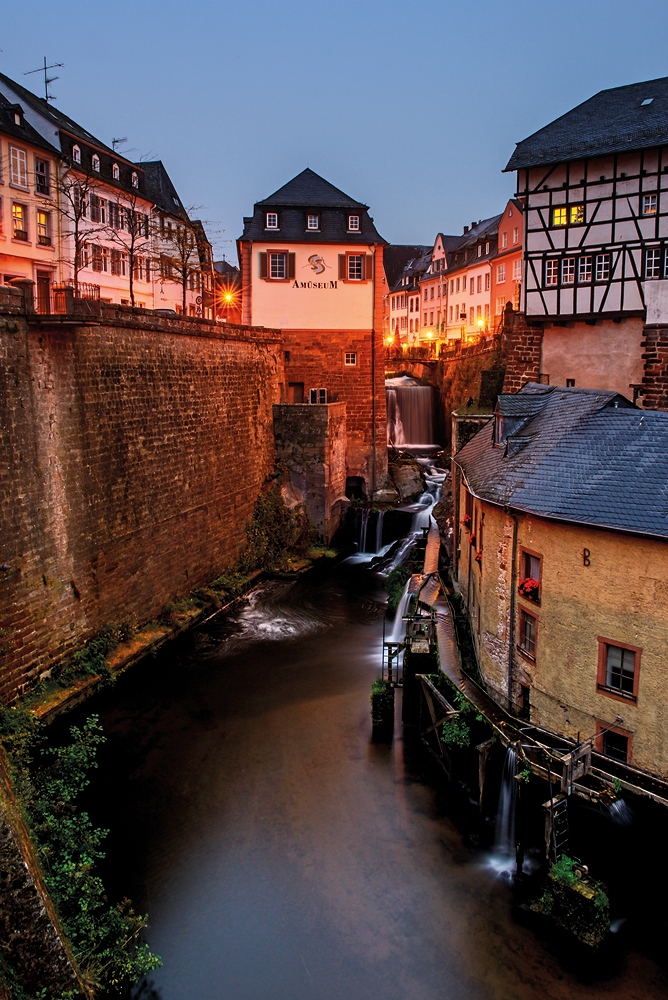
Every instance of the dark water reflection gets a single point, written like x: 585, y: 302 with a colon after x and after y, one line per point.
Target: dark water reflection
x: 280, y: 854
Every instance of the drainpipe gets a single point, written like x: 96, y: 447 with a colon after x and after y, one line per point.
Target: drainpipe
x: 373, y: 375
x: 511, y: 627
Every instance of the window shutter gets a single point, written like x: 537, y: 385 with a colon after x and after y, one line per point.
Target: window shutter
x: 368, y: 267
x: 263, y: 265
x: 291, y: 265
x: 343, y: 273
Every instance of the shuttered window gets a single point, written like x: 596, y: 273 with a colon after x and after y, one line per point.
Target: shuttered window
x: 355, y: 267
x: 18, y: 167
x: 277, y: 265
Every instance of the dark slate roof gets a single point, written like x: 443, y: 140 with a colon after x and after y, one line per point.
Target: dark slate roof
x: 308, y: 190
x: 24, y: 132
x: 613, y: 121
x: 160, y: 189
x: 587, y: 456
x: 305, y: 194
x: 396, y: 257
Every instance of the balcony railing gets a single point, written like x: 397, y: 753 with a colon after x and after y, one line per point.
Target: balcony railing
x: 21, y: 234
x: 44, y: 241
x: 86, y: 301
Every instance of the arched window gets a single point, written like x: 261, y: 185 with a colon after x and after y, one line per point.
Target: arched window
x: 76, y: 154
x: 115, y: 172
x: 96, y: 163
x: 135, y: 180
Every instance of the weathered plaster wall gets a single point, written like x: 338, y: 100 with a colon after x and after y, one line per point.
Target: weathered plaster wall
x: 131, y: 457
x: 311, y: 444
x: 605, y: 356
x: 621, y: 596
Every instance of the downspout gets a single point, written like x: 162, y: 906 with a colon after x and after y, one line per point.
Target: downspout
x: 511, y: 626
x: 373, y: 376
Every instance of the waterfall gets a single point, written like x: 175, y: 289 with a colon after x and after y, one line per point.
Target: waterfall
x: 410, y: 412
x: 363, y: 529
x: 504, y: 838
x: 621, y: 813
x: 379, y: 530
x: 399, y: 625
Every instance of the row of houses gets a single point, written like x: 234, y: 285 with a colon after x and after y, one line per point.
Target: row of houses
x: 77, y: 215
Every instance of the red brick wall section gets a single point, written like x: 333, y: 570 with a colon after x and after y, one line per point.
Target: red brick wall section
x: 655, y: 375
x: 131, y: 456
x: 521, y: 347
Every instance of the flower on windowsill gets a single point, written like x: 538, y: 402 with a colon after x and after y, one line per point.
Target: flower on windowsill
x: 478, y: 557
x: 466, y: 521
x: 529, y: 588
x: 471, y: 539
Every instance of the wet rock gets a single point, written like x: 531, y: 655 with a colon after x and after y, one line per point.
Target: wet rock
x: 408, y: 479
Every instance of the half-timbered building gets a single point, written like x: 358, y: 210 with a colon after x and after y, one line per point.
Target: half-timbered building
x: 594, y: 184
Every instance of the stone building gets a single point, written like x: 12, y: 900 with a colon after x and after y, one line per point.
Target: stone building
x: 562, y: 560
x: 312, y: 265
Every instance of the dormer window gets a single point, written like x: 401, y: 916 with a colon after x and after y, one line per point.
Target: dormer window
x: 271, y: 220
x: 76, y: 154
x: 135, y: 180
x: 353, y: 223
x: 486, y: 247
x: 498, y: 429
x: 479, y: 249
x: 96, y: 163
x: 313, y: 222
x: 17, y: 118
x: 115, y: 172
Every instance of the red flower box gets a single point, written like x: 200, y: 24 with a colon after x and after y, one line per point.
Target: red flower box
x: 478, y: 556
x: 471, y: 539
x: 466, y: 521
x: 529, y: 588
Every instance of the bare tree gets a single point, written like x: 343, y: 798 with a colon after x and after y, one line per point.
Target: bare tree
x: 74, y: 192
x: 129, y: 231
x: 185, y: 255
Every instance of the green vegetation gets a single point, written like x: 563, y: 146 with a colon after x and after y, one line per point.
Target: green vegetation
x: 48, y: 779
x: 575, y: 902
x: 274, y: 533
x: 395, y: 583
x: 382, y: 703
x: 456, y: 732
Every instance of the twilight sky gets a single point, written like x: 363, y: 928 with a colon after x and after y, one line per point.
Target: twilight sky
x: 411, y: 107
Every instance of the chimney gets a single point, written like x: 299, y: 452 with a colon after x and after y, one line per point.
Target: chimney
x: 466, y: 229
x: 474, y: 224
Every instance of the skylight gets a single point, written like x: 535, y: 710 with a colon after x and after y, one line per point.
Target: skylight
x: 648, y: 100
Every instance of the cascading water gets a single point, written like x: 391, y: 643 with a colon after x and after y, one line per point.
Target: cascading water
x: 399, y: 625
x: 504, y: 838
x: 410, y: 413
x: 363, y: 529
x: 379, y: 529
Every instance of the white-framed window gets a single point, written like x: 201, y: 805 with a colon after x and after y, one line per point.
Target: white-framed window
x: 95, y: 163
x: 516, y: 235
x: 649, y: 204
x: 500, y: 304
x: 271, y: 220
x: 350, y: 358
x: 471, y: 316
x: 504, y: 240
x: 464, y: 283
x: 313, y: 222
x: 76, y: 154
x: 135, y: 179
x: 568, y: 271
x: 18, y: 168
x: 486, y: 248
x: 20, y: 222
x: 653, y: 263
x: 353, y: 223
x: 517, y: 270
x: 43, y: 228
x: 551, y: 272
x: 584, y: 269
x: 278, y: 265
x: 42, y: 177
x: 602, y: 266
x: 356, y: 267
x: 501, y: 274
x: 115, y: 171
x: 487, y: 281
x: 479, y: 249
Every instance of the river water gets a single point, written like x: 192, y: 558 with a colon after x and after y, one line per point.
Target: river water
x: 280, y: 853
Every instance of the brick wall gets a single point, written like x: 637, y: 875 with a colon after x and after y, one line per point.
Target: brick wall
x: 655, y: 364
x: 521, y: 347
x: 132, y: 453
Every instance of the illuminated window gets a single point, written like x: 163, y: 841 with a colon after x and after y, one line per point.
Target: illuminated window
x: 313, y: 222
x: 653, y: 263
x: 649, y: 204
x: 353, y: 223
x: 19, y: 222
x: 568, y: 271
x: 271, y: 220
x: 584, y: 269
x: 577, y: 214
x: 551, y: 272
x: 95, y: 162
x: 559, y: 216
x: 43, y: 228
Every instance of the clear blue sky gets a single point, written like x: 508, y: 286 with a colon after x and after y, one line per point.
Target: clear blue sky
x: 411, y: 107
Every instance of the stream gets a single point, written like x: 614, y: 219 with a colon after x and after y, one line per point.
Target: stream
x: 280, y: 854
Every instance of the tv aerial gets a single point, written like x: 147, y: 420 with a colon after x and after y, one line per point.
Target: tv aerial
x: 47, y: 79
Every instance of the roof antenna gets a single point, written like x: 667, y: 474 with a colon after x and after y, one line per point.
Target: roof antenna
x: 115, y: 143
x: 47, y: 79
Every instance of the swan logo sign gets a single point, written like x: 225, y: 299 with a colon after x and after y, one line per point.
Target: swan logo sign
x: 317, y: 263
